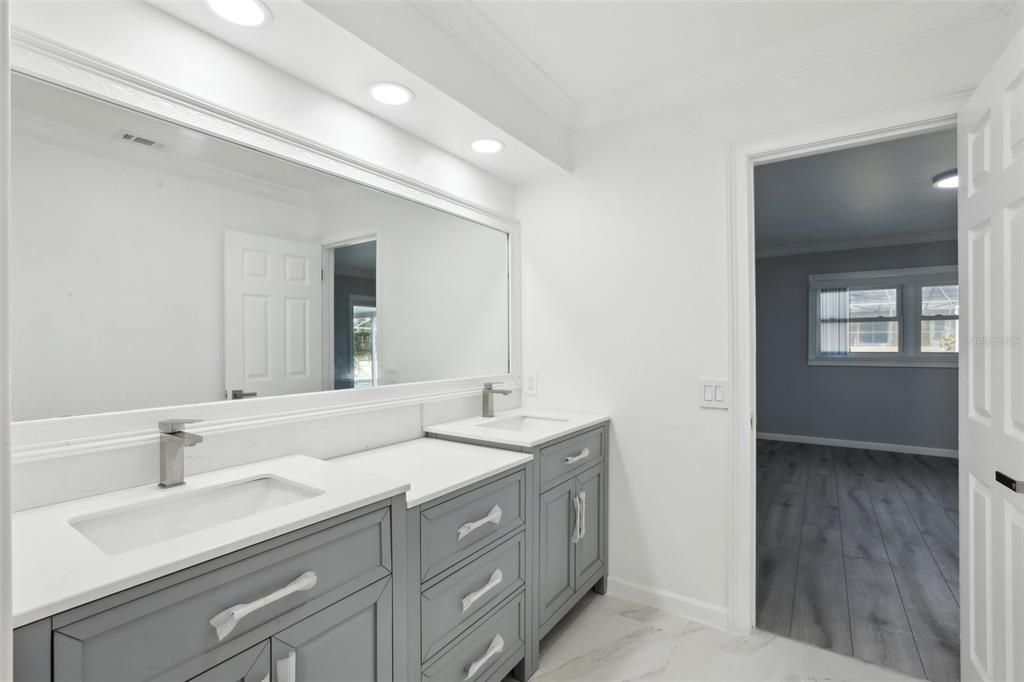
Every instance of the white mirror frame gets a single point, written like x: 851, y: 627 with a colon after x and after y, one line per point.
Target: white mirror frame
x: 67, y: 436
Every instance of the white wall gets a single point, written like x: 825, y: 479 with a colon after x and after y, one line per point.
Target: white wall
x: 648, y: 202
x: 117, y: 281
x: 442, y: 286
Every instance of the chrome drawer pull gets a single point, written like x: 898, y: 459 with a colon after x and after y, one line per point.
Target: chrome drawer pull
x: 496, y: 647
x: 493, y: 516
x: 583, y: 455
x: 472, y: 597
x: 226, y: 620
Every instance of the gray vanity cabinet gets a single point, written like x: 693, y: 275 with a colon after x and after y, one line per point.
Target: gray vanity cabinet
x: 329, y: 614
x: 350, y: 641
x: 469, y: 604
x: 570, y: 553
x: 252, y: 665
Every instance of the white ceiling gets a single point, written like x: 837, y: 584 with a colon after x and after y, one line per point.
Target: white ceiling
x: 533, y: 73
x: 585, y: 63
x: 301, y: 42
x: 875, y: 193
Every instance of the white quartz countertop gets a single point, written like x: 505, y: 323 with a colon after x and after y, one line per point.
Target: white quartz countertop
x: 434, y: 467
x: 522, y: 427
x: 57, y: 568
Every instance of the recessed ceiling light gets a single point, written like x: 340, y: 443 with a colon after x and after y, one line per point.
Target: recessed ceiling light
x: 241, y: 12
x: 488, y: 146
x: 946, y: 180
x: 391, y: 94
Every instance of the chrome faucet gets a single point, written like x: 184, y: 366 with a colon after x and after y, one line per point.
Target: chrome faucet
x: 489, y: 391
x: 173, y: 441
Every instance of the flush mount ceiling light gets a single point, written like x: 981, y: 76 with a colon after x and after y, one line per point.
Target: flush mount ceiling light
x: 488, y: 146
x: 240, y: 12
x: 946, y: 180
x: 391, y: 94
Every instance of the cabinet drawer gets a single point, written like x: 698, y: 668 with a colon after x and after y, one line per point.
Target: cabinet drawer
x: 449, y: 606
x: 486, y: 649
x: 167, y: 634
x: 570, y: 456
x: 451, y: 531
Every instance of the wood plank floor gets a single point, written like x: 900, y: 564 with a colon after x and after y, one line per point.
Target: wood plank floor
x: 858, y: 553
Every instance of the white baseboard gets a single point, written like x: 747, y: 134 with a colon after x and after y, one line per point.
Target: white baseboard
x: 670, y: 602
x: 862, y: 444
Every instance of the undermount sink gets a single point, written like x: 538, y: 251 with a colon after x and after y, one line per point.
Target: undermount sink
x: 522, y: 422
x: 146, y: 523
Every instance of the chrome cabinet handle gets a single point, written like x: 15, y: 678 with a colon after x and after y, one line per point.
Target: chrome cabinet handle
x: 286, y: 668
x: 472, y: 597
x: 576, y: 527
x: 584, y: 453
x: 226, y: 620
x: 493, y: 516
x: 583, y: 516
x: 496, y: 647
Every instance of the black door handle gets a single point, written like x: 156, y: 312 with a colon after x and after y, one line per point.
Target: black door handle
x: 1014, y: 485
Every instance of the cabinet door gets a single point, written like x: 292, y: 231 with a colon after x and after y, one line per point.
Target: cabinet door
x: 350, y: 641
x: 589, y: 548
x: 252, y: 665
x: 557, y: 559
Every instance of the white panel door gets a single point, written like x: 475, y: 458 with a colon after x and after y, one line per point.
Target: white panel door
x: 991, y: 232
x: 272, y: 315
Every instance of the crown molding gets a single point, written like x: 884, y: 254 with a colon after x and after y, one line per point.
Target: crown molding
x: 851, y: 244
x: 467, y: 24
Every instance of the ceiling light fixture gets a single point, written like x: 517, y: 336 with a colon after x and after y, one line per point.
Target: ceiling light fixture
x: 391, y: 94
x: 240, y: 12
x: 946, y: 180
x: 488, y: 146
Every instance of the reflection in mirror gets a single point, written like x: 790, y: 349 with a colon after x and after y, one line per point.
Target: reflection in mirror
x: 154, y: 265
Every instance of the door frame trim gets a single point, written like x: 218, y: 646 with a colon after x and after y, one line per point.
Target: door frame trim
x: 743, y: 156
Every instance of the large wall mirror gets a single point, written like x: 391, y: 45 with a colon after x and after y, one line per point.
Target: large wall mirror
x: 155, y: 265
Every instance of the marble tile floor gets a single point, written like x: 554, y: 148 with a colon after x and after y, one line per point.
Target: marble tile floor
x: 608, y: 639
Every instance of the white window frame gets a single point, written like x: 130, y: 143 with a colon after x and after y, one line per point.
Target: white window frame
x: 908, y: 283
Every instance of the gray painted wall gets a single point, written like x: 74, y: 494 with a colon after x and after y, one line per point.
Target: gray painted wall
x: 901, y: 405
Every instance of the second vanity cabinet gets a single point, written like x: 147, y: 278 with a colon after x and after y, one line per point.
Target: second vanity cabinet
x: 571, y: 505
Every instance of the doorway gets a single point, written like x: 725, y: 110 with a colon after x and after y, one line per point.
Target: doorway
x: 352, y: 285
x: 857, y: 388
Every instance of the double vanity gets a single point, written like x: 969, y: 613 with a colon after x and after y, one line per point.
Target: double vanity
x: 443, y: 558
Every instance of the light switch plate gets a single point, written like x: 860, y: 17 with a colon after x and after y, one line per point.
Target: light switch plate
x: 530, y: 385
x: 714, y: 394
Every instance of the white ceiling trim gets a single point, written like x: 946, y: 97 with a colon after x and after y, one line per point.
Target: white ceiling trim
x: 850, y: 244
x: 464, y: 22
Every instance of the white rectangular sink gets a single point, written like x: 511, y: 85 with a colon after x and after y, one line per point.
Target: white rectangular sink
x: 131, y: 527
x: 522, y: 422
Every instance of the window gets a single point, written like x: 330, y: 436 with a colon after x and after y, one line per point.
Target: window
x: 890, y: 318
